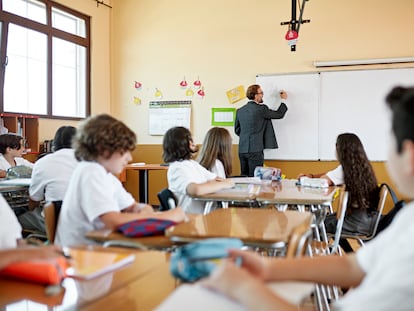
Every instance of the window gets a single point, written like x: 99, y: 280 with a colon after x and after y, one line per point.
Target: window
x: 45, y: 52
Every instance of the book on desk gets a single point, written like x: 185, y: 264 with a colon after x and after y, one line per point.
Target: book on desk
x: 87, y: 264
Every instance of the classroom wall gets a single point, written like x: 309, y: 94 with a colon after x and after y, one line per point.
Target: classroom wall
x: 226, y: 43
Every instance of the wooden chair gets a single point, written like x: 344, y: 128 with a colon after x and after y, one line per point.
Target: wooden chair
x: 340, y: 216
x: 299, y: 241
x: 361, y: 238
x: 52, y: 211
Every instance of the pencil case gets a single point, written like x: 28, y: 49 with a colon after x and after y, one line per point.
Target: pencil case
x: 197, y: 260
x: 46, y: 272
x: 268, y: 173
x: 145, y: 227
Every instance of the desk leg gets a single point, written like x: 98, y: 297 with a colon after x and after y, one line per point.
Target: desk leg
x: 143, y: 186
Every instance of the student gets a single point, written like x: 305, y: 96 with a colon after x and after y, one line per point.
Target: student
x: 11, y: 152
x: 50, y: 178
x: 187, y: 177
x: 11, y: 244
x: 379, y: 272
x: 51, y: 173
x: 10, y: 228
x: 216, y: 152
x: 95, y: 199
x: 253, y: 125
x: 356, y: 172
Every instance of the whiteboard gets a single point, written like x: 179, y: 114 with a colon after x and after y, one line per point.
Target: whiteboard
x: 164, y: 115
x: 341, y: 101
x: 297, y: 132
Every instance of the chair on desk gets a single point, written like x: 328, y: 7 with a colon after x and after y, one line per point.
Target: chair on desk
x: 165, y: 196
x: 52, y: 211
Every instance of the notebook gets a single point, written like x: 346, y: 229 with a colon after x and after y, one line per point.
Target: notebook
x: 89, y: 264
x: 187, y: 296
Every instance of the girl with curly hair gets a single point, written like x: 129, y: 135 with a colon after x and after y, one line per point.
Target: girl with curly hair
x: 356, y: 172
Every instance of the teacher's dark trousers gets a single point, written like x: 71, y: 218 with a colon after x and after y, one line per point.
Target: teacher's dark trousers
x: 249, y: 161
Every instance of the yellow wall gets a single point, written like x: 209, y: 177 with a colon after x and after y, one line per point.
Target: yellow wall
x: 224, y: 44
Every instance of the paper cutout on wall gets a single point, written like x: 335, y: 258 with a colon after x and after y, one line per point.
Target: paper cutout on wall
x: 183, y: 83
x: 201, y: 92
x: 236, y: 94
x: 189, y: 93
x: 197, y: 83
x: 137, y: 85
x: 158, y: 94
x: 137, y: 100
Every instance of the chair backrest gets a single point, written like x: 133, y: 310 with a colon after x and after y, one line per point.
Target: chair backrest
x: 52, y: 211
x: 299, y: 240
x: 340, y: 216
x: 164, y: 196
x: 383, y: 193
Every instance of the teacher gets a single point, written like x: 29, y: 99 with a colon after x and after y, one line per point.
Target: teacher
x: 254, y: 127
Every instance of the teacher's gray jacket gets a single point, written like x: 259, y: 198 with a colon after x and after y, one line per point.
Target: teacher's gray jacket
x: 254, y: 126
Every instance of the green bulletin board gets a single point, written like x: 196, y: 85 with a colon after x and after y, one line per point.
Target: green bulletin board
x: 223, y: 116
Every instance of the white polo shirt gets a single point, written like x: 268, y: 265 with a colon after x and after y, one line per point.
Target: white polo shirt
x: 4, y: 165
x: 180, y: 175
x: 388, y: 262
x: 10, y: 229
x: 92, y: 192
x: 51, y: 175
x: 336, y: 175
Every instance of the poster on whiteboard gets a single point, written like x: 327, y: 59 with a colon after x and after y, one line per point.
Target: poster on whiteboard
x: 166, y: 114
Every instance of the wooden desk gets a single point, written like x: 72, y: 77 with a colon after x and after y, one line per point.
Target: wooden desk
x: 153, y: 242
x: 143, y: 177
x: 144, y: 293
x: 107, y: 291
x: 287, y: 192
x: 255, y: 227
x: 240, y: 193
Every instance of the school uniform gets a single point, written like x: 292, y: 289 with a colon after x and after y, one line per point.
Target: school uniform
x: 388, y: 265
x: 10, y: 229
x: 336, y: 175
x: 92, y: 192
x: 51, y: 175
x: 180, y: 175
x: 218, y: 169
x: 4, y: 165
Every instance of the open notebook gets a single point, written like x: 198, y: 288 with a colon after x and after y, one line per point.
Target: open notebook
x: 186, y: 297
x: 88, y: 264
